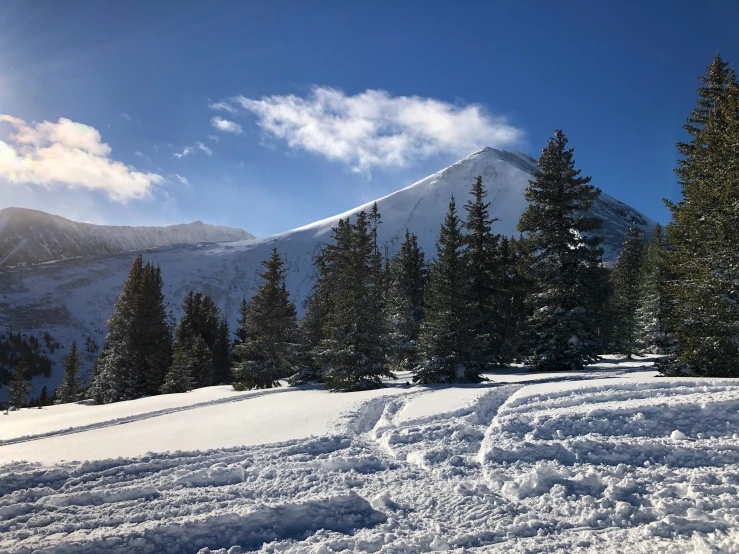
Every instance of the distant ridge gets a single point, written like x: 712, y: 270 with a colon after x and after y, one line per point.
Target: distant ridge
x: 32, y: 237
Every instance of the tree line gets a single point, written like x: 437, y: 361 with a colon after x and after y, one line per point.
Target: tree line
x: 482, y: 301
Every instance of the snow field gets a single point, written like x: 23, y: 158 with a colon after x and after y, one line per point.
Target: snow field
x: 564, y: 466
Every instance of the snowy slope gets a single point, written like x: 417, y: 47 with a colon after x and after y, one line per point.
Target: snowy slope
x: 74, y: 298
x: 616, y: 461
x: 29, y: 237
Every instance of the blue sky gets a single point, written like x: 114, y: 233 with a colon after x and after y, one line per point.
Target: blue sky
x: 269, y: 115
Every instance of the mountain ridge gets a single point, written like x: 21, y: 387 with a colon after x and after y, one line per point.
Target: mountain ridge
x: 31, y: 237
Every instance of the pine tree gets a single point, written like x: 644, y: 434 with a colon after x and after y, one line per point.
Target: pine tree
x: 20, y: 386
x: 704, y: 233
x: 269, y: 350
x: 137, y: 349
x: 355, y: 344
x: 566, y: 262
x: 485, y: 275
x: 201, y: 318
x: 71, y: 388
x: 626, y: 276
x: 192, y: 363
x: 43, y: 398
x: 407, y: 275
x: 655, y: 305
x: 446, y: 339
x: 222, y: 353
x: 240, y: 332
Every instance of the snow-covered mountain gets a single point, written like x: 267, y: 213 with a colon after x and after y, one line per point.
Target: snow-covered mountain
x: 72, y: 299
x: 30, y: 237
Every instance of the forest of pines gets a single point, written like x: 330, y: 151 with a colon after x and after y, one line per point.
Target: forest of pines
x: 479, y: 302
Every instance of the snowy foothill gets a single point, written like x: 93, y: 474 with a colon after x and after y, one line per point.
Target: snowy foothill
x: 611, y: 459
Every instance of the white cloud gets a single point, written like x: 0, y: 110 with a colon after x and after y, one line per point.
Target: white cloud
x: 181, y: 179
x: 125, y: 116
x: 226, y: 126
x: 71, y: 154
x: 192, y: 149
x: 224, y: 106
x: 374, y: 129
x: 214, y: 138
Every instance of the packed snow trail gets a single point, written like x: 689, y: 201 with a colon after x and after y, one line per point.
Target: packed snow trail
x: 568, y: 466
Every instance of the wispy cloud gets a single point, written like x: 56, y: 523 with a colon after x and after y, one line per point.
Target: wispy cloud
x: 69, y: 154
x: 226, y: 126
x: 198, y: 146
x: 181, y: 179
x: 214, y: 138
x: 127, y: 117
x: 374, y: 129
x: 224, y: 106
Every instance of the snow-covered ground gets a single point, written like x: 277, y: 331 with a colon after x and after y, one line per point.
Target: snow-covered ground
x: 608, y: 460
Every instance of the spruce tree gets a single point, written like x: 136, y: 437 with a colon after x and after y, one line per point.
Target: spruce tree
x: 355, y: 344
x: 222, y: 353
x: 270, y: 348
x: 655, y: 306
x: 404, y: 306
x: 43, y: 398
x: 704, y: 233
x: 311, y: 329
x: 20, y: 386
x: 485, y: 275
x: 192, y: 364
x: 201, y: 318
x: 626, y: 277
x: 566, y: 262
x: 71, y: 389
x: 446, y: 340
x: 137, y: 349
x: 240, y: 332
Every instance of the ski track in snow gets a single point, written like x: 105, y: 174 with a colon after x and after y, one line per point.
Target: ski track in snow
x: 555, y: 466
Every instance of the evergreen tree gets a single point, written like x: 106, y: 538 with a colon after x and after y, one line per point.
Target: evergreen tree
x: 20, y: 386
x: 43, y: 399
x: 137, y: 349
x: 704, y: 233
x: 404, y: 307
x: 192, y: 363
x: 446, y: 339
x: 486, y: 276
x: 71, y: 388
x: 311, y: 329
x: 240, y: 332
x: 655, y: 307
x: 566, y: 262
x: 222, y: 353
x: 354, y: 348
x: 270, y: 349
x: 625, y: 277
x: 201, y: 318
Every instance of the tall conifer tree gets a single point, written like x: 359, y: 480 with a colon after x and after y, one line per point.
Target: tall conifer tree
x: 404, y: 307
x: 446, y: 340
x: 626, y: 278
x: 704, y: 233
x: 354, y: 348
x: 655, y: 306
x: 485, y: 274
x: 271, y: 347
x: 566, y: 262
x: 20, y: 386
x: 71, y: 388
